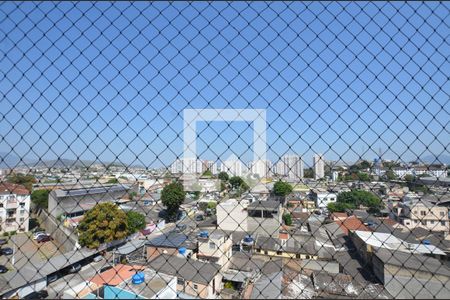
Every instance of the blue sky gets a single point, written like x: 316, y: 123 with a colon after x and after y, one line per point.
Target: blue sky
x: 111, y: 80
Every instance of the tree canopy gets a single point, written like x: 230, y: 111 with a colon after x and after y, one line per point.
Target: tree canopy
x: 25, y: 180
x: 281, y: 188
x: 172, y: 196
x: 355, y: 198
x: 207, y: 173
x: 40, y: 199
x: 102, y: 224
x: 223, y: 176
x: 135, y: 221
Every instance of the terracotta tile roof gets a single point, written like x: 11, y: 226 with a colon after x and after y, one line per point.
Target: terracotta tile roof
x: 11, y: 188
x: 116, y: 275
x: 339, y: 216
x: 351, y: 223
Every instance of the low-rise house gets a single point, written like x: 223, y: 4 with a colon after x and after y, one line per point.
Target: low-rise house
x: 170, y: 243
x: 322, y: 198
x: 232, y: 216
x: 264, y: 217
x: 421, y: 213
x: 406, y: 275
x: 194, y: 278
x: 351, y: 223
x: 215, y: 248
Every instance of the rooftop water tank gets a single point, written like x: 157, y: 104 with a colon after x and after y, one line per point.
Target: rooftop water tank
x: 182, y: 251
x: 248, y: 239
x: 204, y: 234
x: 426, y: 242
x: 138, y: 278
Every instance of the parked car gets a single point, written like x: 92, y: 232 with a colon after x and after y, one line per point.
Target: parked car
x: 6, y: 251
x: 44, y: 238
x: 74, y: 268
x: 37, y: 295
x: 3, y: 269
x: 37, y: 234
x: 199, y: 218
x: 52, y: 278
x: 3, y: 242
x: 98, y: 258
x: 181, y: 227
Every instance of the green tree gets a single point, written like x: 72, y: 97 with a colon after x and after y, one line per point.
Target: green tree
x: 172, y: 196
x: 102, y: 224
x: 25, y: 180
x: 212, y: 205
x: 132, y: 195
x: 363, y: 176
x: 236, y: 182
x: 287, y: 218
x: 113, y: 181
x: 40, y: 199
x: 390, y: 175
x: 339, y: 207
x: 135, y: 221
x: 207, y: 173
x: 223, y: 176
x: 409, y: 178
x: 355, y: 198
x: 281, y: 188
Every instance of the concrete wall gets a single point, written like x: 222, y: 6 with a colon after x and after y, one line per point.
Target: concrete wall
x: 66, y: 237
x: 231, y: 216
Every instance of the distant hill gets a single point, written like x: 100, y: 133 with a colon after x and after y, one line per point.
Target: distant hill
x: 10, y: 160
x: 443, y: 159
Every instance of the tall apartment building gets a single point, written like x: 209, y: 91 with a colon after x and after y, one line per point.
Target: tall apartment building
x: 187, y: 165
x: 262, y: 168
x: 209, y: 165
x: 319, y: 166
x: 290, y: 166
x: 14, y: 207
x: 233, y: 166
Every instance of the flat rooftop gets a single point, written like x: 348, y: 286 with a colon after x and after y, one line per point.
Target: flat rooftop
x: 264, y: 205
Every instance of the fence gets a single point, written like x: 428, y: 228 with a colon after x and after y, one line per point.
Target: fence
x: 291, y: 150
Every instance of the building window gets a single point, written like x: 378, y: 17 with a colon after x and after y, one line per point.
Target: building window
x: 212, y: 245
x: 1, y: 204
x: 195, y: 287
x: 431, y: 222
x: 443, y: 223
x: 279, y: 252
x: 442, y: 213
x: 265, y: 252
x: 22, y: 211
x: 180, y: 281
x: 21, y: 220
x: 22, y: 204
x: 423, y: 213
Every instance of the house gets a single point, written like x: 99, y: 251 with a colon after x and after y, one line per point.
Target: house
x: 264, y: 217
x: 232, y: 216
x: 421, y: 213
x: 351, y: 223
x: 14, y: 207
x: 170, y: 243
x: 406, y: 275
x: 75, y: 202
x: 194, y: 278
x: 215, y: 248
x: 322, y: 198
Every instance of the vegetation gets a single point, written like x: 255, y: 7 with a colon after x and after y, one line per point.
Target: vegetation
x: 131, y: 195
x: 207, y: 173
x: 355, y: 198
x: 308, y: 173
x: 135, y: 221
x: 113, y: 181
x: 238, y: 183
x: 40, y: 199
x: 390, y: 175
x: 281, y: 188
x: 339, y: 207
x: 102, y: 224
x: 172, y: 196
x: 223, y: 176
x: 26, y: 180
x: 287, y: 218
x: 212, y: 205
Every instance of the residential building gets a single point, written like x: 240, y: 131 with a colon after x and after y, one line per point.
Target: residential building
x: 14, y: 207
x: 264, y: 217
x: 75, y: 202
x: 319, y: 166
x: 194, y: 278
x: 170, y: 244
x: 232, y: 216
x: 414, y: 212
x: 215, y: 248
x: 187, y: 165
x: 261, y: 168
x: 322, y: 198
x: 291, y: 167
x: 233, y: 166
x: 209, y: 165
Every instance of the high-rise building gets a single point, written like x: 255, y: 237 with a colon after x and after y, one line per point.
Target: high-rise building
x: 262, y: 168
x: 290, y: 166
x: 233, y: 166
x: 319, y: 166
x: 209, y: 165
x: 187, y: 165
